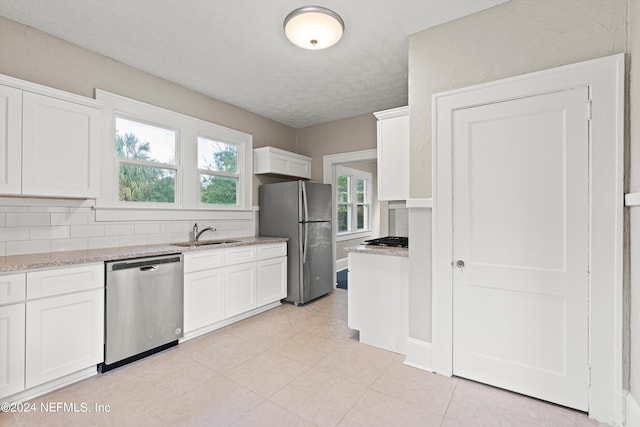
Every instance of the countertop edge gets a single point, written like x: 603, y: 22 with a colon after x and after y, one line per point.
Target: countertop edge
x: 378, y: 250
x: 35, y: 261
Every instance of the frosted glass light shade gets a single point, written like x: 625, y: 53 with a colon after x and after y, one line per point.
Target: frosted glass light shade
x: 313, y: 27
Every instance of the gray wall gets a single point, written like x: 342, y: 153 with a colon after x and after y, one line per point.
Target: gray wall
x: 339, y: 136
x: 31, y: 55
x: 519, y: 37
x: 516, y: 37
x: 632, y: 295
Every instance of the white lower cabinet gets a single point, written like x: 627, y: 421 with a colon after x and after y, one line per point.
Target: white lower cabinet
x: 240, y: 289
x: 272, y: 280
x: 12, y: 336
x: 222, y: 286
x: 51, y: 325
x: 203, y: 298
x: 64, y: 335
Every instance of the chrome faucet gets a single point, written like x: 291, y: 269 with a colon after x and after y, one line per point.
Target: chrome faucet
x: 197, y: 234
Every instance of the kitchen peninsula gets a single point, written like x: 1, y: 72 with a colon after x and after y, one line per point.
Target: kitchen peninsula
x: 378, y: 295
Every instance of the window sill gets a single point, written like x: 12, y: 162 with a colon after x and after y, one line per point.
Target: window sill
x: 352, y: 235
x: 139, y: 213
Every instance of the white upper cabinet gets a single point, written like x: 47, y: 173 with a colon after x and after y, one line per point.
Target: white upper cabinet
x: 10, y: 140
x: 271, y: 160
x: 49, y: 141
x: 393, y: 154
x: 59, y: 146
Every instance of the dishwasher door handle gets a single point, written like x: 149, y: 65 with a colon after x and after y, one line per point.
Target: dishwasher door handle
x: 143, y: 265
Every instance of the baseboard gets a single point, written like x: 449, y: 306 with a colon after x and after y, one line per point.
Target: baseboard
x: 226, y: 322
x: 341, y: 264
x: 37, y: 391
x: 418, y: 354
x: 632, y: 412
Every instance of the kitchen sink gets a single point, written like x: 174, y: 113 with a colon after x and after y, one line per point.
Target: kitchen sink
x: 205, y: 243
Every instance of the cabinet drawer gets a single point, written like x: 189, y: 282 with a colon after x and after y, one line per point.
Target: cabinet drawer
x: 12, y: 288
x: 203, y: 260
x: 240, y: 255
x: 64, y: 280
x: 272, y: 250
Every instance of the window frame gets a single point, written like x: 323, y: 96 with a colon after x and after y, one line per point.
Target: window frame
x: 187, y: 203
x: 177, y: 167
x: 347, y: 204
x: 240, y: 156
x: 355, y: 175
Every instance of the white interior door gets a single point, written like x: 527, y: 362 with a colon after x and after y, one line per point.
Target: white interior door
x: 520, y: 221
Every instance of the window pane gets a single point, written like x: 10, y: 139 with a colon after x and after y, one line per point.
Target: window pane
x: 344, y: 182
x: 146, y: 184
x: 343, y: 218
x: 217, y: 156
x: 218, y: 190
x: 361, y: 188
x: 141, y: 141
x: 361, y: 217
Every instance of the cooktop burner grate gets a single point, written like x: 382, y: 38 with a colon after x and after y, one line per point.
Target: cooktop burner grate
x: 393, y: 241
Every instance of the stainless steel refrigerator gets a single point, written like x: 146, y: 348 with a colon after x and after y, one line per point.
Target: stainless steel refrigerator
x: 301, y: 211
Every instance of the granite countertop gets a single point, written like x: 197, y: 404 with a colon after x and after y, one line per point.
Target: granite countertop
x: 17, y: 263
x: 379, y: 250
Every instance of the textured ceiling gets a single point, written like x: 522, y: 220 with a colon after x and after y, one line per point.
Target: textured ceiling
x: 236, y: 51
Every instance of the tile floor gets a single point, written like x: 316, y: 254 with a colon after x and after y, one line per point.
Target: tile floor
x: 290, y: 366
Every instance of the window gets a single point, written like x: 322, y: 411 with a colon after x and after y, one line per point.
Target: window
x: 353, y: 200
x: 219, y: 172
x: 164, y: 165
x: 362, y: 205
x: 146, y: 162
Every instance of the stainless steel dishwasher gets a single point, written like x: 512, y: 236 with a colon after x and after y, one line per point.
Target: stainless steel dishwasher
x: 143, y: 308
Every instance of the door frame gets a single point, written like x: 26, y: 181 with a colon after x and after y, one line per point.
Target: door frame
x: 329, y: 163
x: 605, y: 79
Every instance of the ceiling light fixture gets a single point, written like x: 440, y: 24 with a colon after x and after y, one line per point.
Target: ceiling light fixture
x: 313, y: 27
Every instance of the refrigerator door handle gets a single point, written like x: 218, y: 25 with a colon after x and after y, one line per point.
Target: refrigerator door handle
x: 304, y: 246
x: 304, y: 201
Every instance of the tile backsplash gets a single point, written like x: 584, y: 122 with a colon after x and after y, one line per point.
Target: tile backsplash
x: 36, y: 227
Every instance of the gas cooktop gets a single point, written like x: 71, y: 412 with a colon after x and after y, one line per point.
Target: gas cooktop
x: 393, y: 241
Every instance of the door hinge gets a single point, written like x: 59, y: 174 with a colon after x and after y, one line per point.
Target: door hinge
x: 589, y: 110
x: 589, y: 376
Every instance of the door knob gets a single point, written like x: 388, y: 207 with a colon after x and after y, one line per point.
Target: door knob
x: 460, y: 263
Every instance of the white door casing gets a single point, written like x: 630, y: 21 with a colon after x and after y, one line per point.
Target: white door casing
x: 605, y: 79
x: 520, y: 219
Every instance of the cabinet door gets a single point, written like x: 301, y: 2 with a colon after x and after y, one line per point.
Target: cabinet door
x: 60, y: 141
x: 272, y: 280
x: 10, y: 140
x: 240, y: 289
x: 203, y: 298
x: 12, y: 345
x: 393, y: 158
x: 64, y: 335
